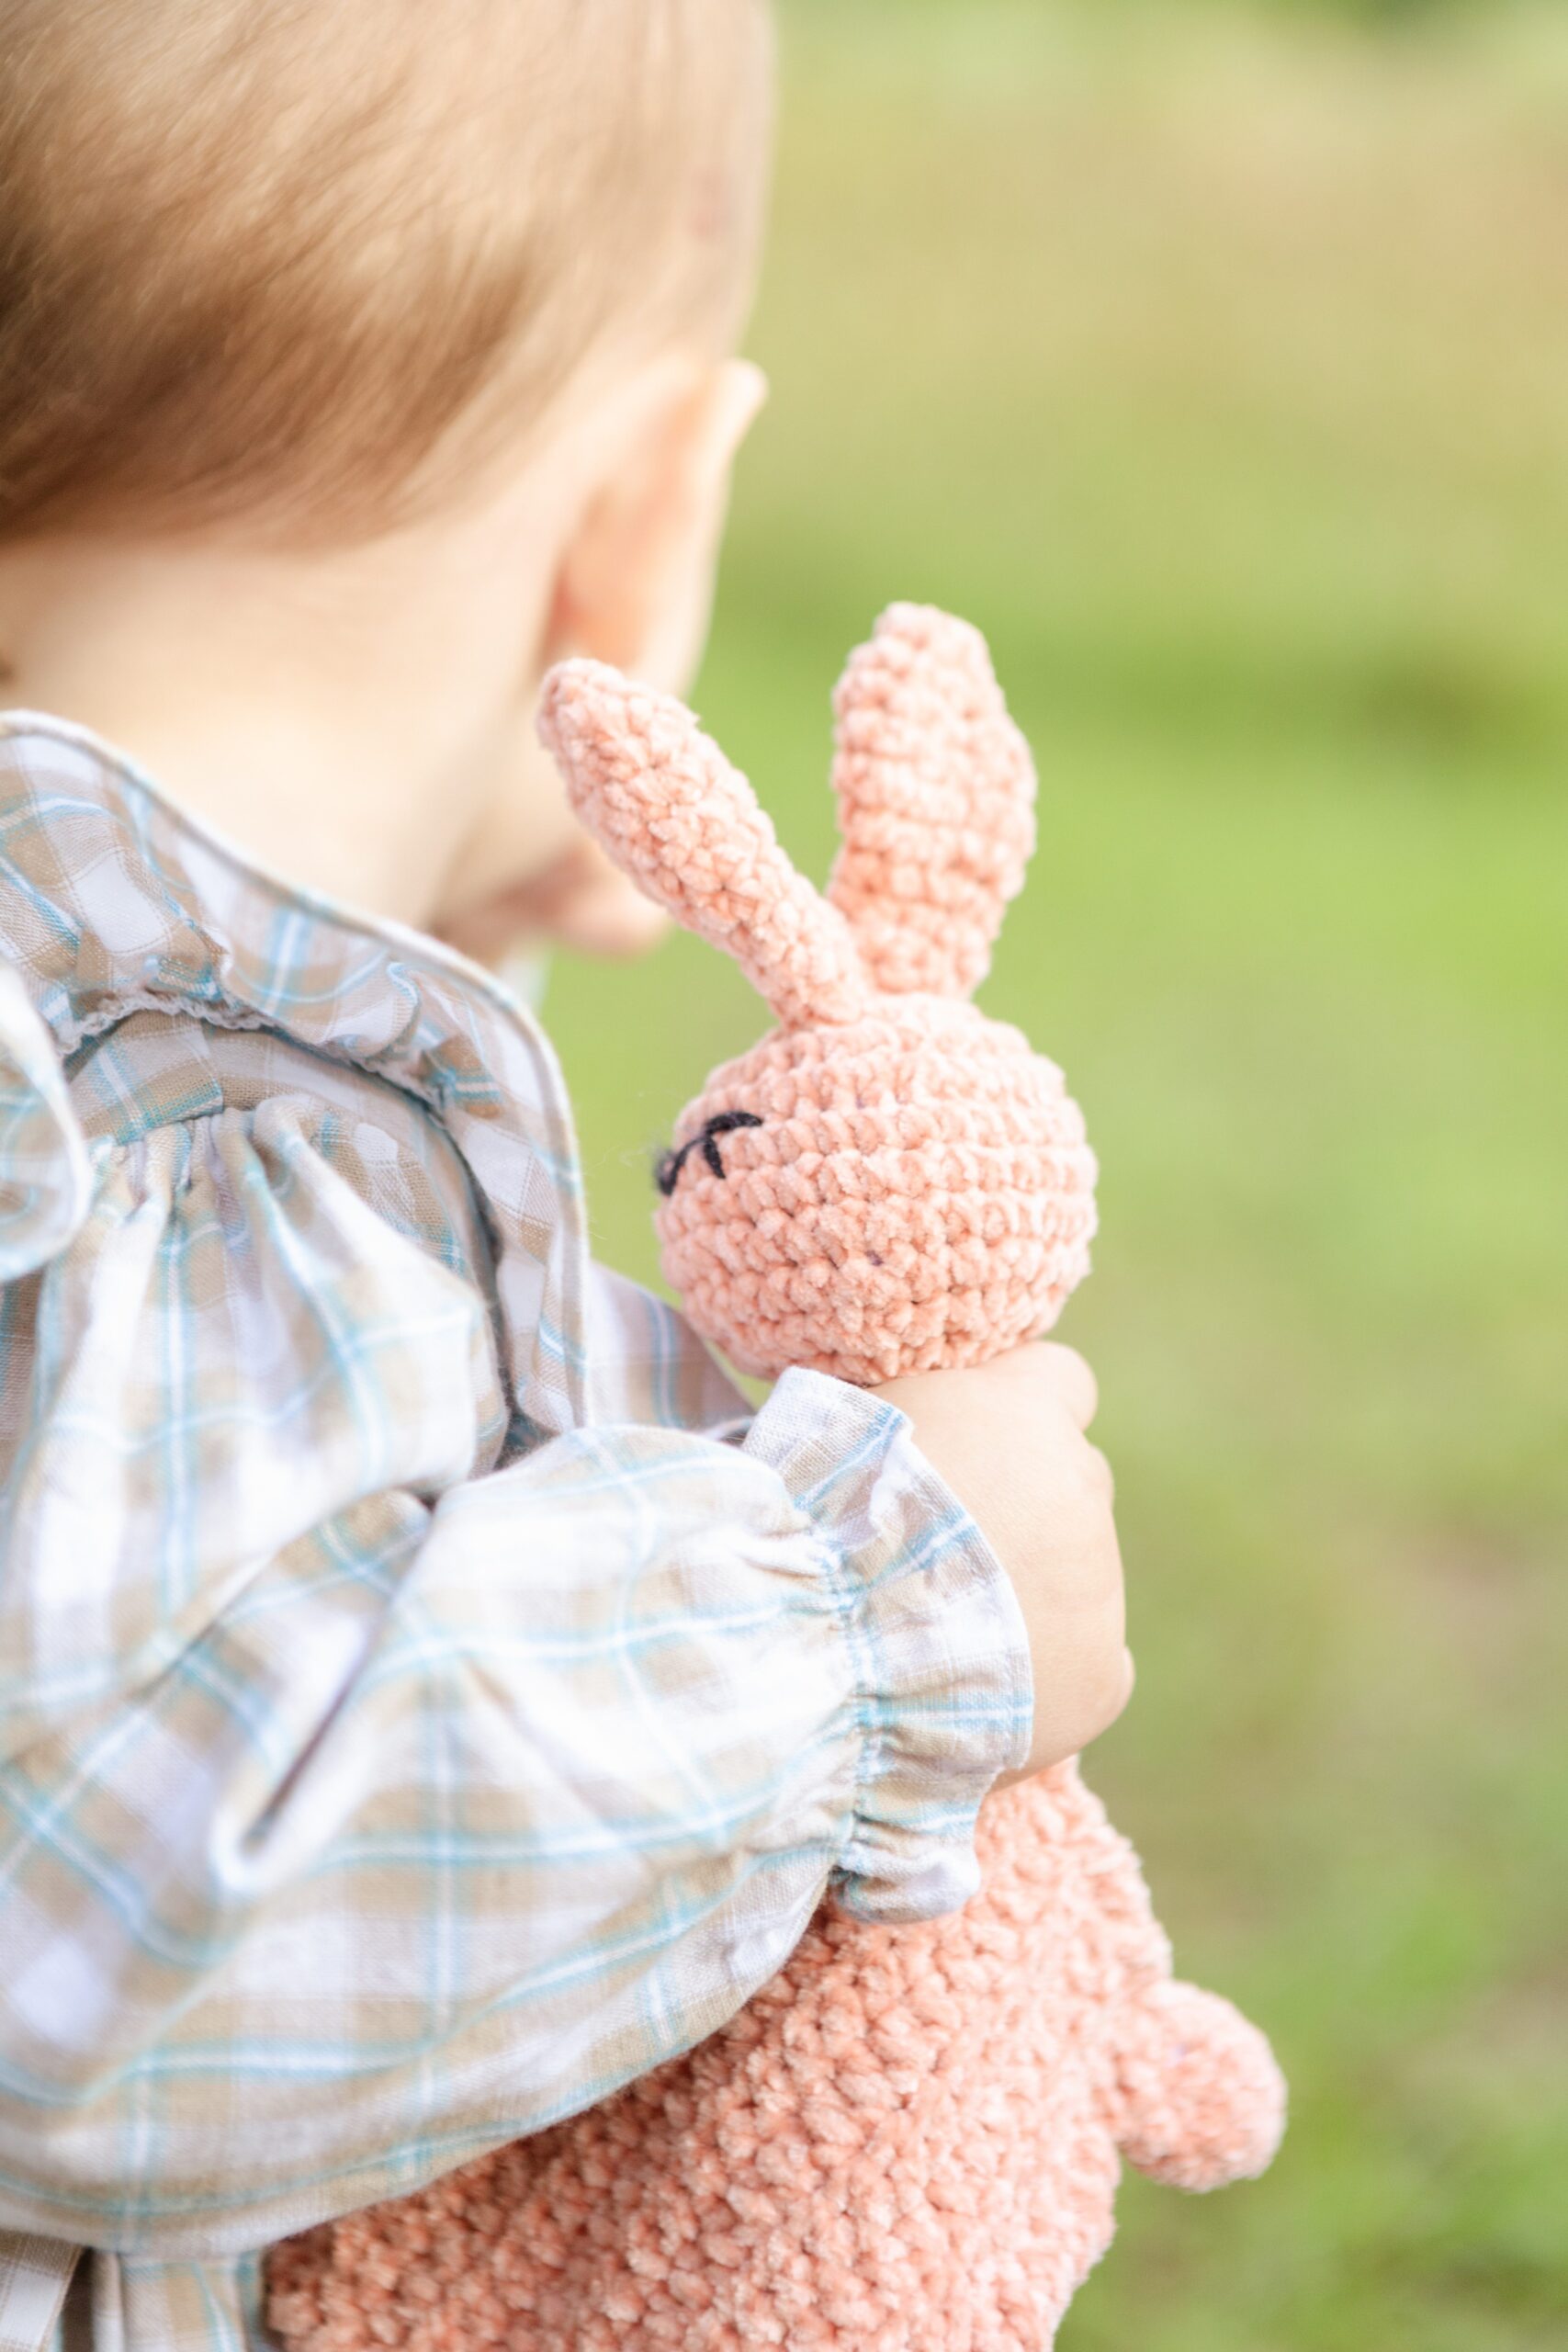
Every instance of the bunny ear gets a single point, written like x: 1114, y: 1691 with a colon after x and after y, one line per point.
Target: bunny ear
x: 685, y: 825
x: 936, y: 803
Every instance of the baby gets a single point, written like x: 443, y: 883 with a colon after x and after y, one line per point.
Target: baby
x: 428, y: 1700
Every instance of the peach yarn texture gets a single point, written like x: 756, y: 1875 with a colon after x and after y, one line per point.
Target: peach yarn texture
x: 910, y: 2141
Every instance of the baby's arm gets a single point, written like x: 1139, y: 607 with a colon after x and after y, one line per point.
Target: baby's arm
x: 453, y: 1817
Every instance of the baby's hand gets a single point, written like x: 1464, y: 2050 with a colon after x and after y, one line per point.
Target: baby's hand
x: 1008, y: 1439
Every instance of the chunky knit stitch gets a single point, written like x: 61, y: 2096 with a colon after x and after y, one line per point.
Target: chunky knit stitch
x: 910, y: 2141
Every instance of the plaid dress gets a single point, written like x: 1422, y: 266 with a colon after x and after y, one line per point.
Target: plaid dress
x: 426, y: 1698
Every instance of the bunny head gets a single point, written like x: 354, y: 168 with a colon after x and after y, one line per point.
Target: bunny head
x: 890, y: 1182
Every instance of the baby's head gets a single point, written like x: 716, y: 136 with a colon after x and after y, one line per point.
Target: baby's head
x: 335, y: 286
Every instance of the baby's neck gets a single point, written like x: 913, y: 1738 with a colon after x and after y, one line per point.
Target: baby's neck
x: 337, y: 716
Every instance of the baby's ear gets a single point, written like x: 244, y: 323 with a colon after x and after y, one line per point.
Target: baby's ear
x: 685, y: 825
x: 936, y: 803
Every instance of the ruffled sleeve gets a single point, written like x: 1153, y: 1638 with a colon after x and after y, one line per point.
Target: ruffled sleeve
x: 419, y: 1710
x: 358, y: 1814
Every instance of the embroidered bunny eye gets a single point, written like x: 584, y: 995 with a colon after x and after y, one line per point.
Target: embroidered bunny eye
x: 668, y: 1173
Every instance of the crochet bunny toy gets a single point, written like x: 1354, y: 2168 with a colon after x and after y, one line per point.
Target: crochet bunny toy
x: 910, y: 2141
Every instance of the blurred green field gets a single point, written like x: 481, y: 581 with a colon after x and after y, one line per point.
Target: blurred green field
x: 1217, y: 364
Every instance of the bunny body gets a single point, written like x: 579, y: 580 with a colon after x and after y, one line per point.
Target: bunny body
x: 910, y: 2141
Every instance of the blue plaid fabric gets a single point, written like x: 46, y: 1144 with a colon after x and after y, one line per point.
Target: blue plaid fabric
x: 426, y: 1700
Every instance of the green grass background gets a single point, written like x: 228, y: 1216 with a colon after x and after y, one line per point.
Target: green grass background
x: 1216, y: 362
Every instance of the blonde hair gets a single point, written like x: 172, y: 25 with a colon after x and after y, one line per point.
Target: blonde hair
x: 308, y: 257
